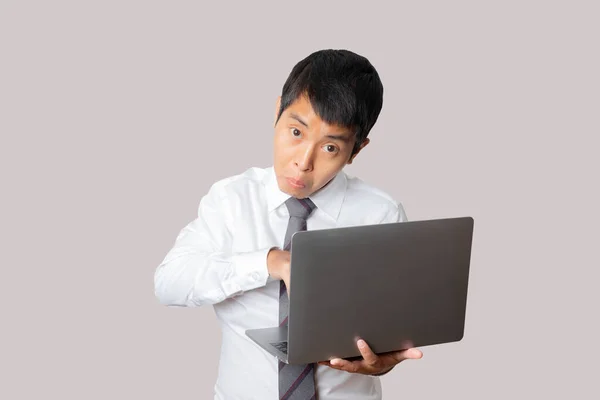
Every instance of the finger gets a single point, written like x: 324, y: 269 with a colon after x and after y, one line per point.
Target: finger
x: 345, y: 365
x: 327, y: 364
x: 369, y: 357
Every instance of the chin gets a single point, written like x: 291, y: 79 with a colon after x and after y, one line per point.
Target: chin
x: 297, y: 192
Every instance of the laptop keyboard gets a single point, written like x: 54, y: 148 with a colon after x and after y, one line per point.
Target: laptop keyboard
x: 281, y: 346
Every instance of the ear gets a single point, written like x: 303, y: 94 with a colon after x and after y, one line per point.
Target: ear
x: 362, y: 146
x: 277, y: 105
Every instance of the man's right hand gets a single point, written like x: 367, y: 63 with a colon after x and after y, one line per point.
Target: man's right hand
x: 278, y: 265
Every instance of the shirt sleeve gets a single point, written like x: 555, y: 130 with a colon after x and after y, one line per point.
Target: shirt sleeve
x: 200, y: 268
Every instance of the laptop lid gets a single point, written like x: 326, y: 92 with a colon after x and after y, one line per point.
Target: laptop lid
x: 396, y: 285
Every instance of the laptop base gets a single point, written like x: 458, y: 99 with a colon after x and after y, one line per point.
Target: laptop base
x: 269, y: 338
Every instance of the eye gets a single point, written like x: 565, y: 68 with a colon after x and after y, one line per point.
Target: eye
x: 330, y: 148
x: 296, y: 132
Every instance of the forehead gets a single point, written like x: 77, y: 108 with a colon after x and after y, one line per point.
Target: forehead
x: 302, y: 108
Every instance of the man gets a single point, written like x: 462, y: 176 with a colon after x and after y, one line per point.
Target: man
x: 234, y: 256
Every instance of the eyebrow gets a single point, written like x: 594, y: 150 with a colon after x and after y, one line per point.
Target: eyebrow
x: 297, y: 118
x: 342, y: 138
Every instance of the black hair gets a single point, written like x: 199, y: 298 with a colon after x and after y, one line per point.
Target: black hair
x: 342, y: 87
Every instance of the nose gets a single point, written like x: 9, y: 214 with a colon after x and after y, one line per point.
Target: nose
x: 304, y: 158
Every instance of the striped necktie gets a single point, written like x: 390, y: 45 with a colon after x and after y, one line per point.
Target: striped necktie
x: 296, y: 382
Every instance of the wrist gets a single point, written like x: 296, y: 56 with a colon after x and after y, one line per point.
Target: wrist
x: 272, y: 266
x: 383, y: 372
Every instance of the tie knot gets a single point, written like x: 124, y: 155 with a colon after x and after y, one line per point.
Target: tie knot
x: 300, y: 208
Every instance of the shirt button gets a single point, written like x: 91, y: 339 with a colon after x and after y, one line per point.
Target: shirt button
x: 255, y: 276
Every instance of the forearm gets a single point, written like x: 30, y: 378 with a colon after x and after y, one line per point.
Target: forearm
x: 202, y: 267
x: 190, y: 278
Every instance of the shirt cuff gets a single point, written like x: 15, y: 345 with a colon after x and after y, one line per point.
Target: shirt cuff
x: 251, y: 269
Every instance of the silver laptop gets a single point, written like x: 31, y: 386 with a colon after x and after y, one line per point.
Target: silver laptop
x: 395, y: 285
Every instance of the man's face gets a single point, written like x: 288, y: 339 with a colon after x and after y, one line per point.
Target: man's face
x: 308, y: 151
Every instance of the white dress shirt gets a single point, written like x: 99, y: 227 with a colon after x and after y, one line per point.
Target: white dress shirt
x: 220, y: 259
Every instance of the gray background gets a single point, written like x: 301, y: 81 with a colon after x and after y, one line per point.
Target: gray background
x: 117, y: 116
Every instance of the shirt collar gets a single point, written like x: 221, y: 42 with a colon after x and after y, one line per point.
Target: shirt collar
x: 328, y: 199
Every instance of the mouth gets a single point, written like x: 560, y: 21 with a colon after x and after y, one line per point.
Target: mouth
x: 296, y: 183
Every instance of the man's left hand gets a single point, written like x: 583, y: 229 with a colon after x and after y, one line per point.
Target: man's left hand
x: 371, y: 363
